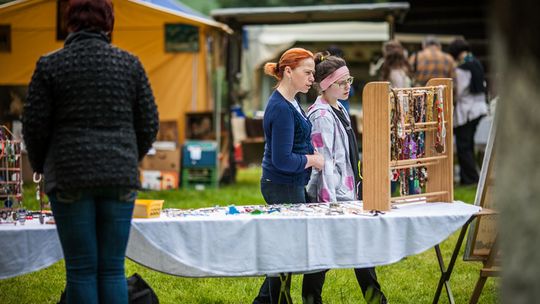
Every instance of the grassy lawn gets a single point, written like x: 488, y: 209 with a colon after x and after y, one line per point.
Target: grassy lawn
x: 412, y: 280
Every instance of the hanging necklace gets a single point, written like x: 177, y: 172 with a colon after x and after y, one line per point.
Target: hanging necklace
x: 441, y: 129
x: 401, y: 122
x: 429, y: 106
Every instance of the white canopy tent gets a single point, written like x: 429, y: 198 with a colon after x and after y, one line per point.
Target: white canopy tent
x: 263, y: 43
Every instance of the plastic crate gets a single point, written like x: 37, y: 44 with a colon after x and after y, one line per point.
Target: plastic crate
x: 199, y: 154
x: 199, y: 178
x: 145, y: 208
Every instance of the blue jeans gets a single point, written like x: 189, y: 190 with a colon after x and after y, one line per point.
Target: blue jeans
x: 93, y: 226
x: 282, y: 193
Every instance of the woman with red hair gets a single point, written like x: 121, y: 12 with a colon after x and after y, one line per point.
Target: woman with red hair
x: 288, y: 152
x: 89, y: 118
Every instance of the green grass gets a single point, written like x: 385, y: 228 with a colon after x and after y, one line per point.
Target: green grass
x: 412, y: 280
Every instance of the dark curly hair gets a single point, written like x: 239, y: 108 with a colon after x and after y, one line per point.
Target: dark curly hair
x: 394, y: 58
x: 326, y: 64
x: 91, y: 15
x: 457, y: 46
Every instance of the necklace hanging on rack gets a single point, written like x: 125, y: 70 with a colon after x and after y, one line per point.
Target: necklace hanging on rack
x: 406, y: 147
x: 402, y: 172
x: 417, y: 177
x: 421, y: 144
x: 393, y: 127
x: 401, y: 121
x: 421, y: 109
x: 412, y: 146
x: 441, y: 129
x: 412, y: 109
x: 403, y: 182
x: 429, y: 105
x: 404, y: 100
x: 394, y: 175
x: 411, y: 189
x: 423, y: 176
x: 414, y: 187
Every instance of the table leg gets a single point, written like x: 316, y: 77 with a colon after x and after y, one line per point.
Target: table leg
x: 446, y: 273
x: 284, y: 291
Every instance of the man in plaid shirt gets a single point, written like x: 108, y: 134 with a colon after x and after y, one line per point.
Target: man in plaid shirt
x: 431, y: 62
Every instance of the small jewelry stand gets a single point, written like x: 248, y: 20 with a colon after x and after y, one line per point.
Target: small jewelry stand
x: 390, y: 115
x: 11, y: 210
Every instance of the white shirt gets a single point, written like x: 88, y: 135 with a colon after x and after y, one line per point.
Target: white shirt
x: 468, y: 106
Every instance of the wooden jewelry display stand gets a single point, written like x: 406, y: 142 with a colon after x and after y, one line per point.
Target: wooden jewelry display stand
x: 378, y: 101
x: 10, y: 176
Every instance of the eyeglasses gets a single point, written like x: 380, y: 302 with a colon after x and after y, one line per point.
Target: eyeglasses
x: 343, y: 84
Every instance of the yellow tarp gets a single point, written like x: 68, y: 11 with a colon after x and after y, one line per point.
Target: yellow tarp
x: 179, y: 80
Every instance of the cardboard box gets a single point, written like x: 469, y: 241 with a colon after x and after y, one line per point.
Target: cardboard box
x: 159, y: 180
x: 169, y: 180
x: 162, y: 160
x: 168, y: 131
x: 151, y: 179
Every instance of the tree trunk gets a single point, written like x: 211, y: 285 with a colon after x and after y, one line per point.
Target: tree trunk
x: 517, y: 54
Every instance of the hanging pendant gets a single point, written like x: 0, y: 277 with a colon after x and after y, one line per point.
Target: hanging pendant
x: 429, y: 106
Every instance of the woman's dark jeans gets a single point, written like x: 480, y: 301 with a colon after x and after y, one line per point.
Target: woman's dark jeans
x: 312, y: 283
x: 93, y: 226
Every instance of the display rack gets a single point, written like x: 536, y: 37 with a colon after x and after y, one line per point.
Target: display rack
x: 10, y: 176
x: 379, y: 161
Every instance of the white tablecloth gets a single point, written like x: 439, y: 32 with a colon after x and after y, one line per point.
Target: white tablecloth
x: 249, y: 245
x: 26, y: 248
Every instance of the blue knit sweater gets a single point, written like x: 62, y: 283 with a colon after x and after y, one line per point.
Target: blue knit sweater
x: 288, y: 140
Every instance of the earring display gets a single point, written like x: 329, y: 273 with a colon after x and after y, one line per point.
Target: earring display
x: 11, y: 210
x: 418, y: 125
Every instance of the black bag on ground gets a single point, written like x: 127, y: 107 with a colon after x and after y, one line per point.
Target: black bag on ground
x: 139, y: 292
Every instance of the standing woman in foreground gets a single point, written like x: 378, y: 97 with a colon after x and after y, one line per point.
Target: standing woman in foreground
x: 288, y: 153
x: 89, y: 118
x: 333, y: 137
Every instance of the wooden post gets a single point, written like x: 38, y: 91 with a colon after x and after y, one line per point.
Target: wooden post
x: 376, y: 146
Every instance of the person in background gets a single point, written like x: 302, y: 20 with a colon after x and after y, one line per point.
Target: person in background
x: 431, y: 62
x: 333, y: 137
x: 89, y: 118
x: 396, y: 68
x: 470, y: 107
x: 335, y: 51
x: 288, y: 152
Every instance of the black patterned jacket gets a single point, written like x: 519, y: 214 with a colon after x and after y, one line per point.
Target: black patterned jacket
x: 90, y: 115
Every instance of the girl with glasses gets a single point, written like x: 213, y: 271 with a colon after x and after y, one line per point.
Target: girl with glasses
x: 333, y: 137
